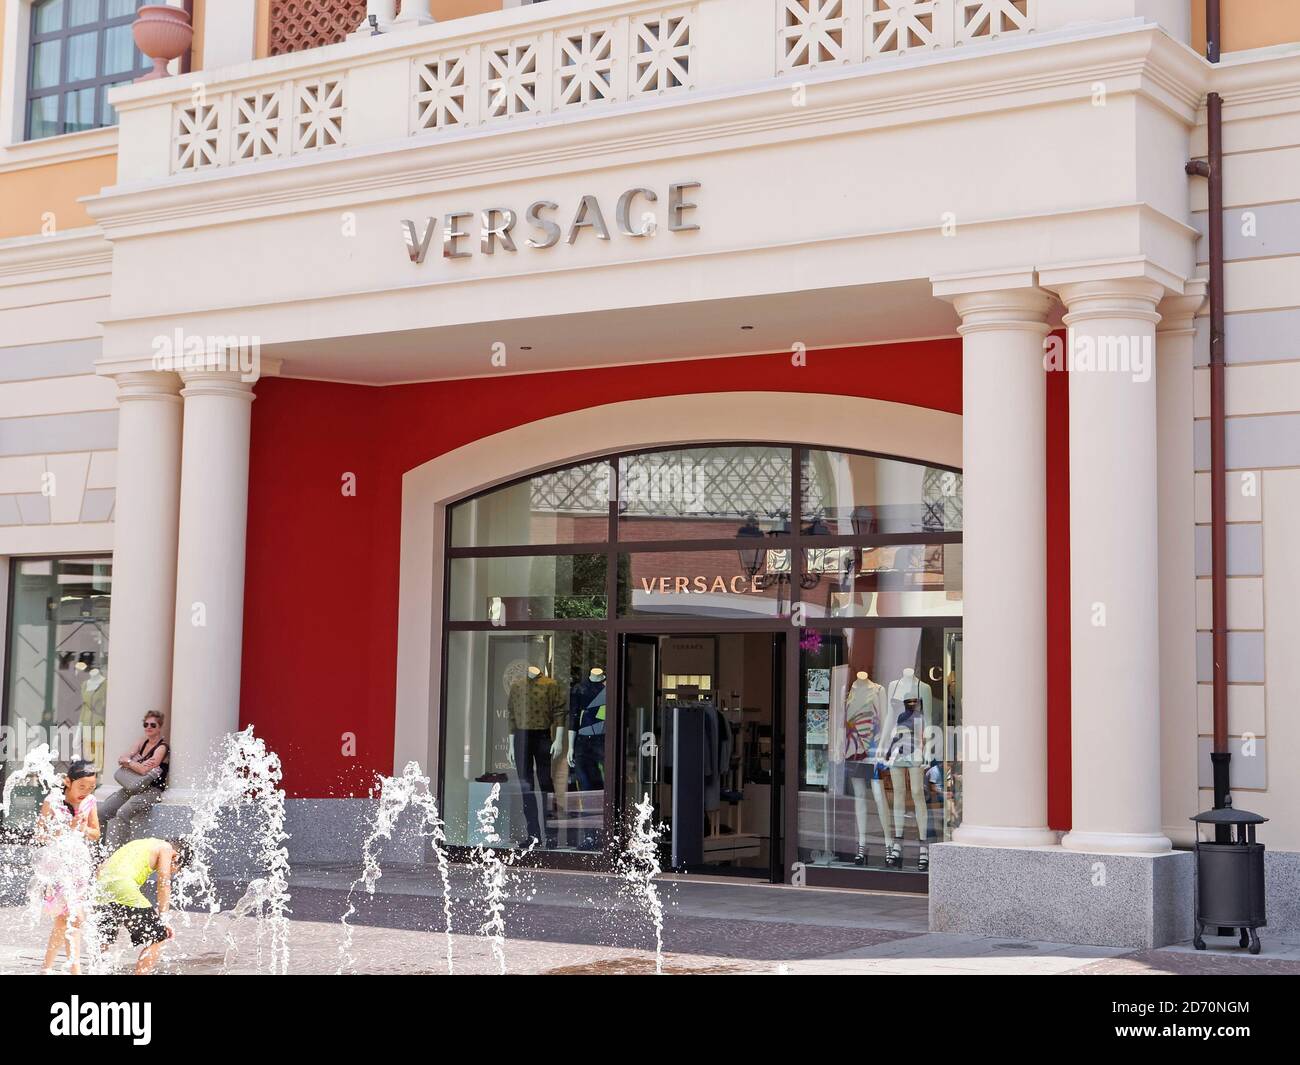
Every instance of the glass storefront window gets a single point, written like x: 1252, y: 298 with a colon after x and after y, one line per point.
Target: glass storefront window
x: 527, y: 710
x: 56, y: 683
x: 897, y: 581
x: 880, y: 745
x: 863, y: 495
x: 705, y: 493
x: 508, y: 590
x: 716, y: 584
x: 568, y: 506
x: 708, y: 566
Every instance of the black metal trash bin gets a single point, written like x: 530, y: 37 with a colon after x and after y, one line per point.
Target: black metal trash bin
x: 1230, y: 877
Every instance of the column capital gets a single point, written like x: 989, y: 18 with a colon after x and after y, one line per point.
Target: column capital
x: 157, y: 385
x: 1178, y: 313
x: 227, y: 383
x: 1003, y: 309
x: 1001, y: 300
x: 1117, y: 297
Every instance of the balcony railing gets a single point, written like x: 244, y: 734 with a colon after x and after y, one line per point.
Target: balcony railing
x: 531, y: 64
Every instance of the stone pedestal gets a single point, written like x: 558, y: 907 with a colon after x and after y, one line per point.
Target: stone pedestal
x: 1054, y: 895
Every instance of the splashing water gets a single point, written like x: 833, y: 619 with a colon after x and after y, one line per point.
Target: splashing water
x: 396, y: 795
x: 62, y: 860
x: 492, y: 871
x: 638, y: 865
x: 246, y: 778
x: 38, y: 763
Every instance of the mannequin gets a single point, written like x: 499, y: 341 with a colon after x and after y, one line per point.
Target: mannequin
x: 909, y: 718
x: 536, y: 710
x: 587, y: 726
x: 863, y: 716
x: 94, y: 699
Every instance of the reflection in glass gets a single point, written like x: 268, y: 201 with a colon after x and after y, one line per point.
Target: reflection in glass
x: 82, y: 11
x: 82, y: 49
x: 861, y: 495
x: 506, y: 591
x: 705, y: 493
x: 43, y: 117
x: 79, y: 110
x: 119, y: 50
x: 720, y: 584
x: 906, y: 580
x: 880, y: 752
x: 527, y: 710
x: 56, y: 680
x: 569, y: 506
x: 49, y: 16
x: 45, y: 64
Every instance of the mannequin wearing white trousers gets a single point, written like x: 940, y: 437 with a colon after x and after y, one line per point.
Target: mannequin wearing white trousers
x: 907, y: 762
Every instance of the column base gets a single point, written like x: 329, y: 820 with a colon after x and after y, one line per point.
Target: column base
x: 1116, y: 842
x: 1002, y: 836
x: 1138, y: 901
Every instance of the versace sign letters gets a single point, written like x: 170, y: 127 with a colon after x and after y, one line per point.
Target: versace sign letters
x: 498, y: 226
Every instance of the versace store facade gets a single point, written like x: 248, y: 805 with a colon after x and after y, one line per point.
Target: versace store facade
x: 710, y: 411
x: 761, y: 642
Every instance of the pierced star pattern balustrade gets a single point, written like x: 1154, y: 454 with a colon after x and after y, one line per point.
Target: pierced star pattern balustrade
x: 538, y: 67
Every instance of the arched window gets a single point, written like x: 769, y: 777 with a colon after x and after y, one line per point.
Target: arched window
x: 79, y: 50
x: 773, y: 585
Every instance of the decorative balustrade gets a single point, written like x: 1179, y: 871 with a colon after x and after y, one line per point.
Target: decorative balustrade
x: 819, y: 33
x: 544, y: 62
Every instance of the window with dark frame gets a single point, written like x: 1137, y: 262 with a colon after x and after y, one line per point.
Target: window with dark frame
x: 785, y: 518
x: 79, y: 50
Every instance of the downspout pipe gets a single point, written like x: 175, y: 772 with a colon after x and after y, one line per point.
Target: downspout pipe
x: 1212, y: 169
x: 187, y: 60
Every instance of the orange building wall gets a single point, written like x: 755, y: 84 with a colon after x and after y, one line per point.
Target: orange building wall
x: 26, y: 195
x: 196, y: 46
x: 1249, y: 24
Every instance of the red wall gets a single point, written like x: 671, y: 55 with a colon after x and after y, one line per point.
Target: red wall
x: 320, y: 627
x: 1058, y: 600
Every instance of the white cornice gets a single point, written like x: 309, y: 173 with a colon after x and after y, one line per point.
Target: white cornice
x: 1261, y: 75
x: 1133, y: 58
x: 75, y: 253
x: 89, y: 144
x: 1141, y: 212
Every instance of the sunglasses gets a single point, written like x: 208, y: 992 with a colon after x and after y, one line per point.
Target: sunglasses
x: 151, y: 724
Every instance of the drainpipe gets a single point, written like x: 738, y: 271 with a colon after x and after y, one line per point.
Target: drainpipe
x: 187, y: 60
x: 1213, y: 170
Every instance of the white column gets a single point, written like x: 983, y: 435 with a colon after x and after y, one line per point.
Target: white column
x: 209, y: 571
x: 1004, y: 560
x: 144, y: 554
x: 1175, y: 337
x: 229, y: 33
x: 1114, y: 566
x: 415, y: 13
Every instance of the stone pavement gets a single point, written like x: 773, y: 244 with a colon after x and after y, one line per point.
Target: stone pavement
x: 569, y: 923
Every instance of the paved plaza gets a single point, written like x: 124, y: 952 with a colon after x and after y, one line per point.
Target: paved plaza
x: 574, y: 923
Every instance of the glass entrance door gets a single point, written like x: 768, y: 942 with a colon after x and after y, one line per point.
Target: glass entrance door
x: 701, y: 723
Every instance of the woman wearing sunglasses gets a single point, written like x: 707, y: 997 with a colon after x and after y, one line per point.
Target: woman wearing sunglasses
x: 142, y: 774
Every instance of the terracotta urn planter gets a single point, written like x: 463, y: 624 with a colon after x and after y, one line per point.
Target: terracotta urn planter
x: 162, y: 33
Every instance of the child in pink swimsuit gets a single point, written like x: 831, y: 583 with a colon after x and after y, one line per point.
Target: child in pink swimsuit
x: 76, y: 813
